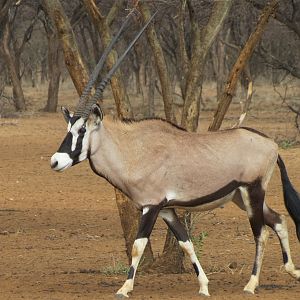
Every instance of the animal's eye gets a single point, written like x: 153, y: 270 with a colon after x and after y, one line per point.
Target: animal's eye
x: 82, y: 130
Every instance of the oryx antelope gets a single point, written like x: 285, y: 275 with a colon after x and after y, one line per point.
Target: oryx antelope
x: 161, y: 167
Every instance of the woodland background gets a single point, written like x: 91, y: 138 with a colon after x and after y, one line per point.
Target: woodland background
x: 231, y: 48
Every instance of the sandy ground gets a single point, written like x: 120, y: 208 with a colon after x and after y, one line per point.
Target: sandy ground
x: 60, y: 236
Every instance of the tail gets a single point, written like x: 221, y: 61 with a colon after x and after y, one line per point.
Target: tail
x: 291, y: 196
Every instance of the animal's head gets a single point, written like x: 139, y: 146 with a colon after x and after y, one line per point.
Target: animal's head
x: 88, y: 115
x: 76, y: 144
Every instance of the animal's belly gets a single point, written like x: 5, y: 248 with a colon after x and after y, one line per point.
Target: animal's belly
x: 199, y: 205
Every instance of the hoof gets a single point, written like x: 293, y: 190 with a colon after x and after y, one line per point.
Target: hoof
x: 121, y: 296
x: 251, y: 285
x: 248, y: 291
x: 203, y: 294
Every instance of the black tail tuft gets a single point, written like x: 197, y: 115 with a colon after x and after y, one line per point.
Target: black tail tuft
x: 291, y: 196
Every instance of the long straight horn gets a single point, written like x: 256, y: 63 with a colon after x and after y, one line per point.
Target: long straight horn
x: 100, y: 89
x: 93, y: 77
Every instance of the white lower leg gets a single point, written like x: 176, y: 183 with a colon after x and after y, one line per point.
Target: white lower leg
x: 254, y: 279
x: 203, y: 281
x: 137, y: 252
x: 282, y: 232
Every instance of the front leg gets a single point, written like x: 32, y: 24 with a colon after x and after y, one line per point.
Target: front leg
x: 148, y: 220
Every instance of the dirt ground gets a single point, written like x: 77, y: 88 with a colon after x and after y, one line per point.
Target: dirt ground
x: 60, y: 236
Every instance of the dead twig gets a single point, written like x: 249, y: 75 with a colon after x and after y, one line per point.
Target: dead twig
x: 245, y: 106
x: 290, y: 107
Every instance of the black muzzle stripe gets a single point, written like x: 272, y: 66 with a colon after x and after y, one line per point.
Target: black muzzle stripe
x: 66, y: 145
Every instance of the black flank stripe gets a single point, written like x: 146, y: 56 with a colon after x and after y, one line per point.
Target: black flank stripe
x: 222, y: 192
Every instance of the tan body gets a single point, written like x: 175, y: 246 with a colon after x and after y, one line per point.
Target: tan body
x: 152, y: 160
x: 161, y: 167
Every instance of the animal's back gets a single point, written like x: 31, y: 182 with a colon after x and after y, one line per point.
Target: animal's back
x: 191, y: 164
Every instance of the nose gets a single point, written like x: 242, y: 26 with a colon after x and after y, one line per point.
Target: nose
x: 54, y: 164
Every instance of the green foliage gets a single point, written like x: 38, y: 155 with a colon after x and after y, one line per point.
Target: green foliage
x: 116, y: 269
x: 286, y: 144
x: 198, y: 241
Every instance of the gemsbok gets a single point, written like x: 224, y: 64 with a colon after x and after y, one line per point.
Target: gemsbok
x: 160, y: 167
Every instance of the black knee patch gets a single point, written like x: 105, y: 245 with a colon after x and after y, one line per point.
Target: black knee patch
x: 130, y: 273
x: 285, y: 257
x: 196, y: 269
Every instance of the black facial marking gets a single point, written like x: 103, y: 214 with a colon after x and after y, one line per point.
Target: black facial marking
x: 73, y: 120
x: 130, y: 273
x: 66, y: 145
x: 196, y: 269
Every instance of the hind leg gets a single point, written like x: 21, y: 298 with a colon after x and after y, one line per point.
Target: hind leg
x: 170, y: 217
x: 253, y: 199
x: 278, y: 224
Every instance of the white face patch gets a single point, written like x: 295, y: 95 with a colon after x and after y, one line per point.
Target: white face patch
x: 74, y: 147
x: 62, y: 161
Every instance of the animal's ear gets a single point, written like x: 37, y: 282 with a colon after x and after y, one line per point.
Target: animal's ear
x: 97, y: 112
x: 66, y: 114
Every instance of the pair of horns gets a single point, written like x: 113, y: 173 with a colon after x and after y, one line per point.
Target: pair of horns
x: 86, y: 102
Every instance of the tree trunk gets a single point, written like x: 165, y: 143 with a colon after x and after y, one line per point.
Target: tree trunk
x: 221, y: 70
x: 202, y: 41
x: 151, y: 90
x: 53, y: 70
x: 182, y: 51
x: 44, y: 76
x: 19, y: 99
x: 72, y: 56
x: 160, y: 62
x: 240, y: 64
x: 88, y: 58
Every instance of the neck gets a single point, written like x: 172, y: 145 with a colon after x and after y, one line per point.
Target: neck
x: 105, y: 157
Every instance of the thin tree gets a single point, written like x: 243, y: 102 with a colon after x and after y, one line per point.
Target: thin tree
x: 7, y: 14
x: 54, y: 59
x: 239, y: 65
x: 73, y: 60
